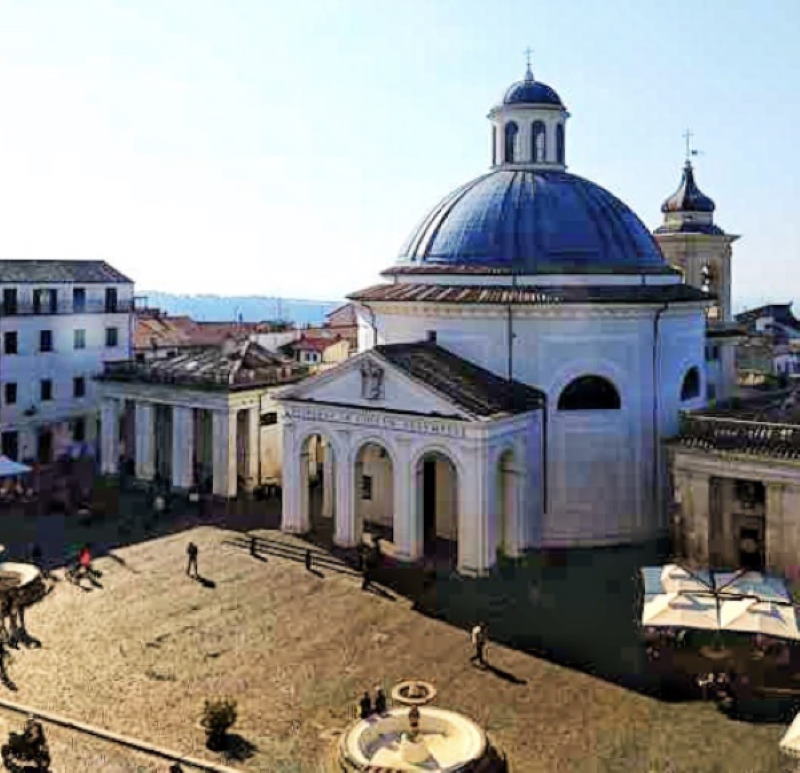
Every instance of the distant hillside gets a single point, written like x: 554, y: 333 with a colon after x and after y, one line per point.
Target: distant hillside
x: 252, y: 308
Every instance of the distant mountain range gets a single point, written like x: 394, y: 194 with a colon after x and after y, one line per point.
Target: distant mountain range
x: 250, y: 308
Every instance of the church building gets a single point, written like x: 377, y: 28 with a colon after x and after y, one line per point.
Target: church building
x: 519, y: 367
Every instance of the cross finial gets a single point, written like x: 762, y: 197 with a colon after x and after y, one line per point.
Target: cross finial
x: 687, y: 135
x: 528, y: 51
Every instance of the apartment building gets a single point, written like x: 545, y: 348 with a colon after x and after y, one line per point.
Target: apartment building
x: 60, y: 320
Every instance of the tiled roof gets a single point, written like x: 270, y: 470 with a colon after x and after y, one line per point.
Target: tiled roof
x: 475, y: 389
x: 313, y: 343
x: 168, y: 331
x: 246, y: 364
x: 529, y: 294
x: 83, y: 271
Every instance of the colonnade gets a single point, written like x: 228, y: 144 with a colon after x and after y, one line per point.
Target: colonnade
x: 228, y: 447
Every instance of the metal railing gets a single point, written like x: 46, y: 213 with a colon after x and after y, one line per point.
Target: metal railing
x: 745, y: 436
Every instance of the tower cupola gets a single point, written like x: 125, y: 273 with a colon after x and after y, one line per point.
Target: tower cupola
x: 528, y: 126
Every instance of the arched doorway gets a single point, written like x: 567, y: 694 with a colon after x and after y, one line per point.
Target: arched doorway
x: 374, y: 491
x: 317, y: 481
x: 437, y: 506
x: 508, y: 503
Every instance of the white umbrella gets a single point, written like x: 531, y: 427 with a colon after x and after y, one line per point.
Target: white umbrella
x: 790, y: 743
x: 681, y: 610
x: 675, y: 578
x: 9, y: 468
x: 754, y: 616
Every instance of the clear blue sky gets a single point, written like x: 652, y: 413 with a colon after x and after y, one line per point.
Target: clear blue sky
x: 251, y: 146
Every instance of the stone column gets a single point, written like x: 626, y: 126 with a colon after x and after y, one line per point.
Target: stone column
x: 293, y: 519
x: 109, y: 430
x: 327, y: 481
x: 476, y: 530
x: 253, y: 448
x: 407, y: 525
x: 182, y: 446
x: 776, y: 556
x: 697, y: 526
x: 223, y: 430
x: 145, y: 441
x: 345, y: 532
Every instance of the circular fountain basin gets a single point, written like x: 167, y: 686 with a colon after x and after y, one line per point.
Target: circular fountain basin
x: 25, y: 579
x: 452, y: 741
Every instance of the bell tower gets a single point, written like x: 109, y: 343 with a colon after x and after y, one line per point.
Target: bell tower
x: 701, y: 251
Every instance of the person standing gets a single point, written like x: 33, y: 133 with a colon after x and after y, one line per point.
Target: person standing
x: 308, y: 560
x: 380, y: 701
x: 365, y: 706
x: 191, y: 552
x: 479, y: 636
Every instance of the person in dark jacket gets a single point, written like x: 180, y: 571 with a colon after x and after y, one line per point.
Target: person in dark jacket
x: 380, y: 701
x: 365, y: 706
x: 191, y: 552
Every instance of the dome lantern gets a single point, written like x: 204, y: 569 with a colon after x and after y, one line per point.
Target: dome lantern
x: 528, y: 126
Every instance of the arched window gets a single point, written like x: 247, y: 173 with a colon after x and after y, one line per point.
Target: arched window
x: 538, y: 146
x: 560, y: 143
x: 511, y: 137
x: 494, y: 145
x: 691, y: 384
x: 589, y: 393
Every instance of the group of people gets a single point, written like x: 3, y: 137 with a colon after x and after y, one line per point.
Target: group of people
x: 13, y: 490
x: 368, y: 708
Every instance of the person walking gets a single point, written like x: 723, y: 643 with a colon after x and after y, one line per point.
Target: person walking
x: 366, y: 576
x: 365, y: 706
x: 479, y: 636
x: 308, y: 560
x: 191, y: 552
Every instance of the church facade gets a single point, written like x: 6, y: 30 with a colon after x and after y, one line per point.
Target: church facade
x: 518, y: 369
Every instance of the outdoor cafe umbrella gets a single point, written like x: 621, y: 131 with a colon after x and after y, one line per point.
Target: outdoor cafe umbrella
x: 675, y: 578
x: 790, y: 743
x: 10, y: 469
x: 751, y: 615
x: 681, y: 610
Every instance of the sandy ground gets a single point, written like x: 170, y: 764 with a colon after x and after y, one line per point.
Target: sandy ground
x: 139, y: 655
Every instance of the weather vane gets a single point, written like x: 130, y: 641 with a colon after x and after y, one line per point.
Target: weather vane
x: 528, y: 52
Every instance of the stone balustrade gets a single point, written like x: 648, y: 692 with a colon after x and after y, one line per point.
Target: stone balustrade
x: 739, y: 435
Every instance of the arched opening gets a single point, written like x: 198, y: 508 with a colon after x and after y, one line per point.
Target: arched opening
x: 538, y: 142
x: 317, y: 471
x: 560, y: 143
x: 437, y: 507
x: 589, y: 393
x: 510, y: 140
x: 374, y: 491
x: 691, y: 384
x: 509, y: 481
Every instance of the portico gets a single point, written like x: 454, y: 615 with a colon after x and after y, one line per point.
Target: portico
x: 438, y: 464
x: 186, y: 423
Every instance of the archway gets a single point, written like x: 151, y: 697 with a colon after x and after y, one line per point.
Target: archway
x: 508, y: 503
x: 437, y: 506
x: 317, y: 481
x: 374, y: 491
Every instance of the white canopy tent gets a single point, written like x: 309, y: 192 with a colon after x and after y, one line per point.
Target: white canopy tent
x: 10, y: 469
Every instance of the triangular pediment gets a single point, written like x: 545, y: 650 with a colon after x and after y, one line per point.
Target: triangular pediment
x: 370, y: 381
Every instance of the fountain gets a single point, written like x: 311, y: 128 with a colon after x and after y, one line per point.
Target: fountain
x: 20, y: 586
x: 422, y: 737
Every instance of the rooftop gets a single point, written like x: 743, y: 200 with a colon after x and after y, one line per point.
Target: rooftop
x: 238, y: 365
x: 478, y: 391
x: 83, y: 271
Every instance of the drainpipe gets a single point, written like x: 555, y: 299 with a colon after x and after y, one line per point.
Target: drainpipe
x: 656, y: 443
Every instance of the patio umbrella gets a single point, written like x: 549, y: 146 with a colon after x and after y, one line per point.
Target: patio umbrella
x: 681, y: 610
x: 675, y: 578
x: 754, y: 616
x: 790, y: 743
x: 9, y: 468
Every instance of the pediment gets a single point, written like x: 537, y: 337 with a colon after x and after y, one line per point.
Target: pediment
x: 369, y: 381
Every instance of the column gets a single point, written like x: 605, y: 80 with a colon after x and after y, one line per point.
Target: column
x: 109, y: 435
x: 476, y: 532
x: 293, y: 519
x: 776, y: 556
x: 253, y: 455
x: 182, y: 446
x: 407, y: 526
x: 223, y: 431
x: 145, y: 441
x: 327, y: 481
x: 345, y: 531
x: 697, y: 526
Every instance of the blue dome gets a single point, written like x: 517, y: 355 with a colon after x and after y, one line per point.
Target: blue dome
x: 534, y: 222
x: 531, y: 91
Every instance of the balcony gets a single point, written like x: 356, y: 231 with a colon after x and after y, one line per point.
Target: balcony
x: 744, y: 436
x: 28, y: 309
